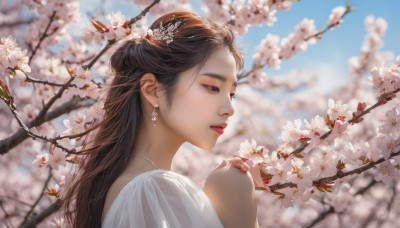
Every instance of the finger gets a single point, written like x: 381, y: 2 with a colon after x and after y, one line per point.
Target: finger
x: 222, y: 164
x: 244, y: 168
x: 241, y: 158
x: 236, y: 163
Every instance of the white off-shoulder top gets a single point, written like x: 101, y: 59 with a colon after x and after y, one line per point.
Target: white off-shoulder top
x: 159, y: 199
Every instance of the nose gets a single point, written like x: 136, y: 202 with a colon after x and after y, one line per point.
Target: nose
x: 227, y: 109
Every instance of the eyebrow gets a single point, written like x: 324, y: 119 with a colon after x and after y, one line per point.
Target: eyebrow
x: 219, y: 77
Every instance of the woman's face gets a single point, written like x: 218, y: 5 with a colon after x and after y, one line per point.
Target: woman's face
x: 203, y: 100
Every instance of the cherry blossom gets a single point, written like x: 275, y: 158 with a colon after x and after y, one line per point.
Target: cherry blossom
x: 335, y: 17
x: 284, y: 168
x: 41, y: 160
x: 301, y: 177
x: 292, y: 131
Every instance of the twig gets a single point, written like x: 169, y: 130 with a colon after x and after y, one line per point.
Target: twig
x: 35, y: 80
x: 321, y: 216
x: 9, y: 143
x: 6, y: 214
x: 15, y: 23
x: 38, y: 199
x: 318, y: 34
x: 44, y: 35
x: 111, y: 42
x: 44, y: 214
x: 12, y: 141
x: 389, y: 206
x: 381, y: 101
x: 15, y: 199
x: 331, y: 210
x: 338, y: 175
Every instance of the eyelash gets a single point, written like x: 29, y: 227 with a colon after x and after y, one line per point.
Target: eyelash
x: 233, y: 95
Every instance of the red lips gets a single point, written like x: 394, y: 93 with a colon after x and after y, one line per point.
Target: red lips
x: 220, y: 125
x: 219, y: 128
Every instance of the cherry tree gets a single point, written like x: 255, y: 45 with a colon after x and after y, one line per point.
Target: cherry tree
x: 339, y: 165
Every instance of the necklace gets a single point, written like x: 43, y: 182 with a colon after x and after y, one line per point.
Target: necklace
x: 150, y: 161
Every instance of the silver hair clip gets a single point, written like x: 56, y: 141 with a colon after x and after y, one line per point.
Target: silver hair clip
x: 166, y: 34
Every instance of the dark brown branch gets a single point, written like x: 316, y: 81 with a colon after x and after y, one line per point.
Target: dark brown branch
x: 15, y: 199
x: 316, y: 35
x: 322, y: 215
x: 35, y: 80
x: 338, y: 175
x: 38, y: 199
x: 389, y: 206
x: 74, y: 104
x: 111, y: 42
x: 44, y: 214
x: 44, y: 35
x: 9, y: 143
x: 382, y: 100
x: 15, y: 23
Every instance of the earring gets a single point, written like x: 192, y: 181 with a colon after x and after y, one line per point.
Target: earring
x: 154, y: 115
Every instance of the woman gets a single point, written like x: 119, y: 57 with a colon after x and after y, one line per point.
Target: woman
x: 173, y: 85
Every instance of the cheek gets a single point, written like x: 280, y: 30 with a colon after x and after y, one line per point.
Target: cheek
x: 192, y: 114
x: 195, y: 105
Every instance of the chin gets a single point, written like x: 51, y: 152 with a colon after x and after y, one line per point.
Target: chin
x: 205, y: 143
x: 207, y: 146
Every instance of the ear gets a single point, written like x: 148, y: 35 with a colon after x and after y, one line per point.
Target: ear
x: 148, y: 88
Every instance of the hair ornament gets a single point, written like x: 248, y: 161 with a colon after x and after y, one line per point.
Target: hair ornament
x: 166, y: 33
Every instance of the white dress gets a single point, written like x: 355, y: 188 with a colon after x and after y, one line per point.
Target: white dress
x: 161, y: 198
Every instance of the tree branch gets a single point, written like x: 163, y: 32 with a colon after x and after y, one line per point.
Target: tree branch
x: 112, y: 42
x: 12, y: 141
x: 381, y: 100
x: 38, y: 199
x: 338, y: 175
x: 316, y: 35
x: 322, y: 215
x: 44, y: 214
x: 15, y: 23
x: 44, y: 35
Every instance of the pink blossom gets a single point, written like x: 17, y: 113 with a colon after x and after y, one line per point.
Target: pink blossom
x: 292, y: 131
x: 83, y: 76
x: 248, y: 150
x: 340, y: 202
x: 57, y: 158
x: 323, y: 165
x: 9, y: 42
x: 116, y: 19
x: 257, y: 78
x: 279, y: 168
x: 295, y: 42
x: 267, y: 52
x: 385, y: 79
x: 301, y: 177
x: 336, y: 109
x: 316, y: 129
x: 391, y: 122
x: 377, y: 26
x: 285, y: 200
x: 352, y: 153
x: 336, y: 15
x: 338, y: 131
x: 387, y: 173
x: 387, y: 145
x: 41, y: 160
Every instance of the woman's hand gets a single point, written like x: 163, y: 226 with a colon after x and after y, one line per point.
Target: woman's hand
x: 236, y: 162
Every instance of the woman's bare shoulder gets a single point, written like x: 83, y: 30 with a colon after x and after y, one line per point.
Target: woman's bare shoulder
x: 232, y: 194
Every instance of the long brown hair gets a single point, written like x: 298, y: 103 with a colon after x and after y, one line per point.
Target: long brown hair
x: 113, y: 144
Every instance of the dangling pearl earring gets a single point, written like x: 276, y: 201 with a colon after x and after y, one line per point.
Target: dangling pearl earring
x: 154, y: 115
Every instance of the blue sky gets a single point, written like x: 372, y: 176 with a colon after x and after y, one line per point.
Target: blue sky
x: 328, y: 57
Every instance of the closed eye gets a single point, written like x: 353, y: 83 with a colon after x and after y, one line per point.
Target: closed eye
x: 216, y: 89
